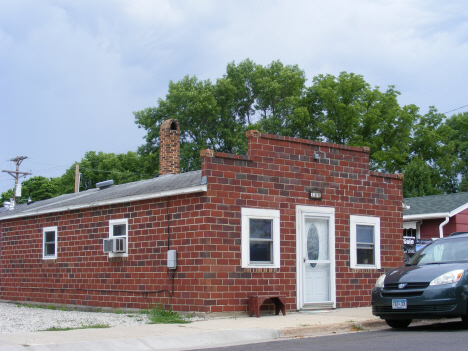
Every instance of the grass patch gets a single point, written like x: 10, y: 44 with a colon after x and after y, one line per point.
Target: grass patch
x: 91, y: 326
x: 357, y: 327
x: 34, y: 306
x: 159, y: 316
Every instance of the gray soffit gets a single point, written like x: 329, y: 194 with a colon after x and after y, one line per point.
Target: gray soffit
x: 167, y: 185
x: 436, y: 206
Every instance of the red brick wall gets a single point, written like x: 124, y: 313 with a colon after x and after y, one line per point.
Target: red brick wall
x: 83, y: 274
x: 205, y: 229
x: 277, y: 174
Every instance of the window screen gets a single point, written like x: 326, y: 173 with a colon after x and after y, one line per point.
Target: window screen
x: 365, y: 244
x: 261, y: 240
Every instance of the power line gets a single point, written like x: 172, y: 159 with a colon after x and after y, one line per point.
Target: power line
x: 99, y: 170
x: 130, y: 148
x: 454, y: 109
x: 51, y: 169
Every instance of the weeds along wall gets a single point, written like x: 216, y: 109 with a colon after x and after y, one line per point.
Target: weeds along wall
x: 205, y: 228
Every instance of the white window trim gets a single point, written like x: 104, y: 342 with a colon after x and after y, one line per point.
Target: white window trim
x: 44, y: 230
x: 113, y: 222
x: 256, y: 213
x: 369, y: 221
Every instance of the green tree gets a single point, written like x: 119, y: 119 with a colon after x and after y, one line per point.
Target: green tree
x: 7, y: 195
x: 99, y: 166
x: 40, y: 188
x: 278, y: 91
x: 35, y: 188
x: 207, y: 118
x: 274, y: 99
x: 419, y: 179
x: 343, y: 102
x: 432, y: 142
x: 458, y: 135
x: 267, y: 97
x: 350, y: 112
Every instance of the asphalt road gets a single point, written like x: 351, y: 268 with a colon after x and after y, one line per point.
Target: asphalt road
x: 432, y: 337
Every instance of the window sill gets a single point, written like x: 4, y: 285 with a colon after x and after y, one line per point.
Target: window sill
x: 364, y: 266
x: 260, y: 269
x: 49, y: 260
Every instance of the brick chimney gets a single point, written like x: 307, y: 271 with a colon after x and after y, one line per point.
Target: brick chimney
x: 169, y: 147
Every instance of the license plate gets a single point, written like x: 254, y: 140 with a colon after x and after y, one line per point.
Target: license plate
x: 399, y: 304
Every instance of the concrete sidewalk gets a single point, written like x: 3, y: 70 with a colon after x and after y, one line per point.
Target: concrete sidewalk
x: 220, y: 330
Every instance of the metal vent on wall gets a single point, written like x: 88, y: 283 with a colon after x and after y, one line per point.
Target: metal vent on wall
x: 105, y: 184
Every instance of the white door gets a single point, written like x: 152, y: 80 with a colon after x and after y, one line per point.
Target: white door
x: 316, y: 259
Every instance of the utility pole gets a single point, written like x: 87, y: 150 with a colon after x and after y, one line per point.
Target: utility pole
x: 16, y: 174
x: 77, y: 178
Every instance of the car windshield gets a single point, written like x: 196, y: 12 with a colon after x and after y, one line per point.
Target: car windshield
x: 442, y: 251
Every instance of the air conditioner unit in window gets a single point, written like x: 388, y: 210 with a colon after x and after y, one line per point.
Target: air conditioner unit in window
x: 115, y: 245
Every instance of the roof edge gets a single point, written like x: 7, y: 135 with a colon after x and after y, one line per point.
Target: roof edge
x: 257, y: 134
x: 190, y: 190
x: 458, y: 210
x: 415, y: 217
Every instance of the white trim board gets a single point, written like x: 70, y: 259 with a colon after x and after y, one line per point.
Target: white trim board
x: 426, y: 216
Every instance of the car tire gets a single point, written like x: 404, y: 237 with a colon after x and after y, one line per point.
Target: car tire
x: 465, y: 321
x: 398, y: 323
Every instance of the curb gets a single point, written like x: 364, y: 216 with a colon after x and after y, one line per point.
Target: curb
x: 332, y: 328
x: 202, y: 340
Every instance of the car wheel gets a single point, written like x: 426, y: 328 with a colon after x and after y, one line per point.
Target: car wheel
x: 398, y: 323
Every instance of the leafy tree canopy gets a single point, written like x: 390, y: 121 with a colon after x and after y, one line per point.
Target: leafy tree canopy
x: 275, y: 99
x: 419, y: 179
x: 35, y: 188
x: 96, y: 167
x: 433, y: 141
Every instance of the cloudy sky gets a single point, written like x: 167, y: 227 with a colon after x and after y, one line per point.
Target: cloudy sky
x: 73, y: 72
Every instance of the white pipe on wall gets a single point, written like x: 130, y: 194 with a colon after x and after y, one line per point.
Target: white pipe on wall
x: 441, y: 226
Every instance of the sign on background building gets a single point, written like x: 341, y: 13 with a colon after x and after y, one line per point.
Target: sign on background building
x: 411, y: 245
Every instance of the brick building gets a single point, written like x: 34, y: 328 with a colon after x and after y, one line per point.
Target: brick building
x: 294, y: 217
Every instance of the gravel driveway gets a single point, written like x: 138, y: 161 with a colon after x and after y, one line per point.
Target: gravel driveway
x: 19, y: 319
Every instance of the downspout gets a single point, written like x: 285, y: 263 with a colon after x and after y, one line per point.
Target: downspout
x: 441, y: 226
x: 168, y: 225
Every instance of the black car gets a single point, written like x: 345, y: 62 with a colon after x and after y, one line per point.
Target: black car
x: 432, y: 284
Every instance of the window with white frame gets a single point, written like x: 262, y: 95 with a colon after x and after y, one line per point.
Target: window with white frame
x: 365, y: 242
x: 49, y: 243
x: 260, y: 238
x: 118, y: 228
